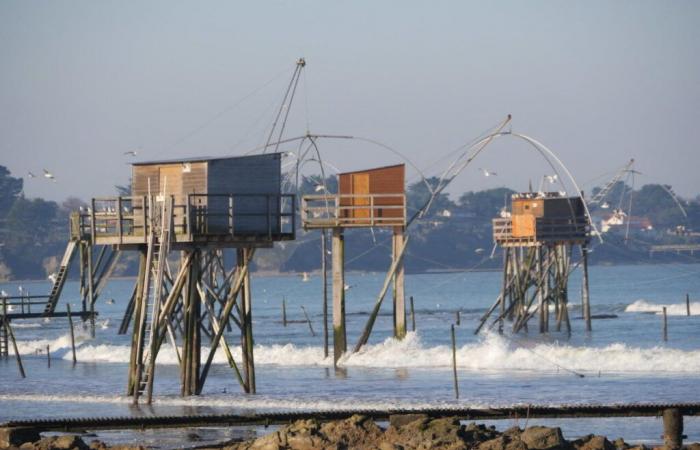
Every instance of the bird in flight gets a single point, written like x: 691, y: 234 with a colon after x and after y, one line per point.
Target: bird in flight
x: 131, y: 153
x: 48, y: 175
x: 31, y: 175
x: 552, y: 178
x: 488, y: 173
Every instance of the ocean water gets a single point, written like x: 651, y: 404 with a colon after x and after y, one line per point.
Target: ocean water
x: 624, y: 359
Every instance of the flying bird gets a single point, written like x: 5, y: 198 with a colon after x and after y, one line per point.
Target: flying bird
x: 31, y: 175
x: 319, y: 188
x: 131, y: 153
x: 552, y: 178
x: 488, y: 173
x: 48, y: 175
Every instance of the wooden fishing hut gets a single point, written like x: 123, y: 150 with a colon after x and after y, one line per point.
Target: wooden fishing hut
x: 538, y: 237
x: 366, y: 199
x: 197, y: 207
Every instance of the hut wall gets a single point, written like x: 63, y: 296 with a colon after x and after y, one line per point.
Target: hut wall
x: 382, y: 180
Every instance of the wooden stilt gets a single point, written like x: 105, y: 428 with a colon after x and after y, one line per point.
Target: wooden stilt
x: 308, y: 321
x: 72, y: 333
x: 247, y: 322
x: 454, y: 361
x: 399, y: 296
x: 139, y: 299
x: 324, y: 281
x: 91, y: 291
x: 540, y: 292
x: 11, y: 334
x: 585, y: 294
x: 665, y: 328
x: 284, y: 312
x: 338, y: 267
x: 413, y: 316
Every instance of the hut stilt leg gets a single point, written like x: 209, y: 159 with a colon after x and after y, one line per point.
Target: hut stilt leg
x: 399, y: 297
x: 338, y: 267
x: 586, y: 305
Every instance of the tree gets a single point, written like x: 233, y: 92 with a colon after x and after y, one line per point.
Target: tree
x: 10, y: 190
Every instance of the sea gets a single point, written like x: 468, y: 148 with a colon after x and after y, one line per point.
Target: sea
x: 623, y: 360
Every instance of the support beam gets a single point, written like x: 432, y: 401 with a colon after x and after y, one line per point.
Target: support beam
x: 585, y: 296
x: 338, y: 266
x: 399, y: 296
x: 247, y: 322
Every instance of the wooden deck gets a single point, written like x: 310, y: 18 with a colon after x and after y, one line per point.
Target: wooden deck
x: 547, y: 232
x: 204, y: 219
x: 353, y: 211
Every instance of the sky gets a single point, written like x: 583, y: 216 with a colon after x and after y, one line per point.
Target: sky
x: 597, y: 82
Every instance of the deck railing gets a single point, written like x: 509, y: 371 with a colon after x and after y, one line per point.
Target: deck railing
x: 127, y: 219
x: 353, y: 210
x: 545, y: 230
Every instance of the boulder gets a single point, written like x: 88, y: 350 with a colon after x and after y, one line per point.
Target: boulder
x: 445, y: 433
x: 15, y: 436
x: 503, y: 442
x: 544, y: 438
x: 474, y: 433
x: 399, y: 420
x: 593, y: 442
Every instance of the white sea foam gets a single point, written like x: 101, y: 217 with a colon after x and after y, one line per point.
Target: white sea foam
x: 672, y: 309
x: 492, y: 353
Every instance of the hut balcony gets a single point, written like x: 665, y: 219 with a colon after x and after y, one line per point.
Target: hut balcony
x: 201, y: 219
x: 353, y: 210
x: 530, y: 231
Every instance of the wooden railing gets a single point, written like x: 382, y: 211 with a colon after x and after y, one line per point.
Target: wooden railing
x: 545, y: 230
x: 353, y: 210
x: 127, y: 219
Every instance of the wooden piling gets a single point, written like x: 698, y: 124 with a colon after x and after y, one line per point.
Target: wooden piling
x: 308, y: 321
x: 458, y: 319
x: 324, y: 281
x: 248, y: 324
x: 338, y: 268
x: 91, y: 291
x: 687, y: 305
x: 399, y: 295
x: 72, y: 333
x: 8, y: 330
x: 673, y: 429
x: 48, y: 356
x: 585, y: 297
x: 413, y: 316
x: 284, y: 311
x: 454, y: 361
x: 665, y: 325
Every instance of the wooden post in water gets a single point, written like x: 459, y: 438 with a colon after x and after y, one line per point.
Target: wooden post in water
x: 308, y: 321
x: 324, y: 281
x: 454, y: 361
x: 91, y: 290
x: 687, y: 304
x: 72, y: 333
x: 585, y: 297
x: 399, y: 296
x: 284, y: 311
x: 665, y: 325
x: 673, y: 429
x: 338, y: 267
x: 8, y: 330
x: 458, y: 319
x: 413, y: 316
x: 247, y: 323
x: 48, y: 356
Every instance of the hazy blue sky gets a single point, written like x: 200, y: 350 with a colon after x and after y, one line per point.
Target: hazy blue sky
x: 81, y: 82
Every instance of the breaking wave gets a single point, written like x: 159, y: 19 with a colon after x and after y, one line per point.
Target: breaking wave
x: 492, y: 353
x: 672, y: 309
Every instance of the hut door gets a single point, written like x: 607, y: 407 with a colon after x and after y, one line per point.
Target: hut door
x: 360, y: 186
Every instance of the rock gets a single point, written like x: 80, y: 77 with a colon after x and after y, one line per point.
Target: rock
x: 479, y: 433
x: 97, y: 445
x: 593, y: 442
x: 446, y: 433
x: 356, y: 432
x: 14, y: 436
x: 399, y: 420
x: 504, y: 442
x: 694, y: 446
x: 544, y: 438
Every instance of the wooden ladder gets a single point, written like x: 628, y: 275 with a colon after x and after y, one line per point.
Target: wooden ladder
x: 3, y: 338
x: 61, y: 276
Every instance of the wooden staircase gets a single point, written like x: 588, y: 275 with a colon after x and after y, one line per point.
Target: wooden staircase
x: 61, y: 276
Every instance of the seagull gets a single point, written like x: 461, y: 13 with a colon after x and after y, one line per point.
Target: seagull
x: 487, y: 173
x: 552, y: 178
x: 305, y: 276
x: 319, y: 188
x: 347, y: 287
x: 31, y: 175
x: 49, y: 175
x: 479, y: 251
x: 110, y: 301
x: 131, y: 153
x: 605, y: 205
x: 4, y: 294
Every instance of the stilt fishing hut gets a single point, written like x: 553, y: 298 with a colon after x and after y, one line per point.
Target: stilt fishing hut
x: 538, y: 237
x: 196, y: 207
x: 366, y: 199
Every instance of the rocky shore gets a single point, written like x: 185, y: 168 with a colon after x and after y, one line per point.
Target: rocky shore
x: 405, y: 432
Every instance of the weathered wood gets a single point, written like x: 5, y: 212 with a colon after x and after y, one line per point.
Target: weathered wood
x: 673, y: 429
x: 413, y: 316
x: 308, y: 321
x: 247, y: 322
x: 338, y: 268
x: 48, y: 356
x: 324, y: 283
x: 665, y: 331
x: 398, y: 288
x: 72, y: 333
x: 378, y: 303
x: 138, y: 310
x: 284, y: 311
x: 586, y: 305
x: 458, y: 318
x: 454, y: 361
x: 91, y: 290
x: 687, y: 305
x: 11, y: 334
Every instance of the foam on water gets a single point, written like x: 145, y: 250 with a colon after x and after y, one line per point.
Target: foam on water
x: 492, y: 353
x: 672, y: 309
